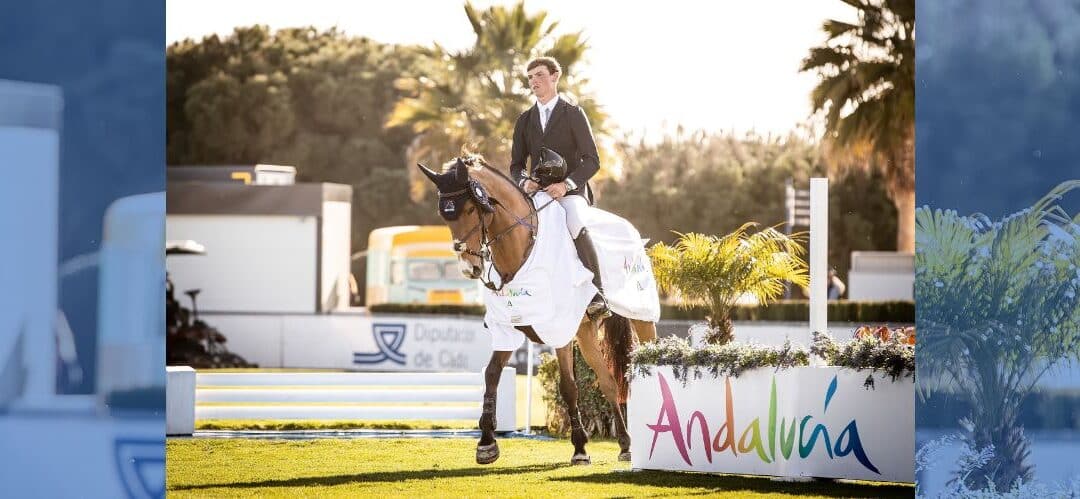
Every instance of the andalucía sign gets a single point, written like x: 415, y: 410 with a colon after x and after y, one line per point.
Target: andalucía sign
x: 807, y: 421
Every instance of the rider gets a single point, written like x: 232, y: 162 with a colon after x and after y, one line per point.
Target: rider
x: 554, y: 125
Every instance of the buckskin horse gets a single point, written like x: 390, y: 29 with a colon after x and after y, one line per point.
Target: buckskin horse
x: 494, y: 222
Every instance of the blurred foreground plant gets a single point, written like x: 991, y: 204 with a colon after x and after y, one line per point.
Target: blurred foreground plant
x: 997, y: 308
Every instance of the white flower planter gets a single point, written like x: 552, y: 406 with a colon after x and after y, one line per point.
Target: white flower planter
x: 799, y: 422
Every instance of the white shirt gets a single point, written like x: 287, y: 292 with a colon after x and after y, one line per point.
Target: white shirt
x: 546, y: 109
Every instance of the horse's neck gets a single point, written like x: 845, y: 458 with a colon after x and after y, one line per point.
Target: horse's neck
x: 510, y: 252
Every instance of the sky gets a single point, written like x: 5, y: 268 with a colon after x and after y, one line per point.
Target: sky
x: 714, y: 66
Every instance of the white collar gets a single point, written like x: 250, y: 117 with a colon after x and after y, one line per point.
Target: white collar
x: 550, y: 105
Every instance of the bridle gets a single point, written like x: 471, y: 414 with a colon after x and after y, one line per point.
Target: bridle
x: 487, y: 240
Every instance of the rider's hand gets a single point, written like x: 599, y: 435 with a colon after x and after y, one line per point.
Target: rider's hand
x: 556, y: 191
x: 531, y: 187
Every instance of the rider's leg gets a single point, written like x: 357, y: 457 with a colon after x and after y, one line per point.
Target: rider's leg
x: 574, y: 206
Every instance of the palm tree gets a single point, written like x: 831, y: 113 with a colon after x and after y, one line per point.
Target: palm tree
x: 867, y: 95
x: 471, y: 98
x: 718, y: 271
x: 998, y: 306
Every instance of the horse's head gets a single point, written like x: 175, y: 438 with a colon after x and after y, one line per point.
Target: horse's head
x: 466, y: 208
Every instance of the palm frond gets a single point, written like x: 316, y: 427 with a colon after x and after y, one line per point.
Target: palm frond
x: 718, y: 270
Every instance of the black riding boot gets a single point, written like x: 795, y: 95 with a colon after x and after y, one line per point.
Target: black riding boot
x: 598, y: 308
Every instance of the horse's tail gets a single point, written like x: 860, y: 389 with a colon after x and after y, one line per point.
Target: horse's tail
x: 618, y: 341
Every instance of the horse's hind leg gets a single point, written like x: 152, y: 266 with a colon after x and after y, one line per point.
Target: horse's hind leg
x: 487, y: 450
x: 568, y: 389
x: 590, y: 349
x: 646, y: 331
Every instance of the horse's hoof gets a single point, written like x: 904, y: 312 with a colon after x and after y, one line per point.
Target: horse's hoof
x: 487, y: 454
x: 624, y: 456
x: 580, y: 459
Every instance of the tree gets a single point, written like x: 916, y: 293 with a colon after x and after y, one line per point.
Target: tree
x: 867, y: 96
x: 998, y: 306
x: 718, y: 271
x: 472, y: 98
x: 299, y: 96
x: 740, y: 178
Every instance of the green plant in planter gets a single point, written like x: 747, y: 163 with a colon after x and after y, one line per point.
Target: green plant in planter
x: 729, y: 359
x: 597, y: 416
x: 998, y: 306
x: 716, y: 271
x: 894, y: 355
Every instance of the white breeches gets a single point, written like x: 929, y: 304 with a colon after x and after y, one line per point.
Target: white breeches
x: 574, y: 206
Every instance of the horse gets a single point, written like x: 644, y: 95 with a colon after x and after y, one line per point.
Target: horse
x: 494, y: 222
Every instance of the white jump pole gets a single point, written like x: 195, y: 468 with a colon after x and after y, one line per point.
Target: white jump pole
x: 819, y: 255
x: 30, y: 116
x: 528, y: 388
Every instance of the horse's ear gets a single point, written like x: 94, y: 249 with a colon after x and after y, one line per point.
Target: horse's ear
x: 427, y: 172
x: 461, y: 172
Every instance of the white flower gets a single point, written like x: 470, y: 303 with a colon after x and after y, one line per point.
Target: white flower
x: 939, y: 284
x: 1017, y: 337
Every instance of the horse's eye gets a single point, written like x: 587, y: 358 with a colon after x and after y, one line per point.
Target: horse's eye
x: 470, y: 211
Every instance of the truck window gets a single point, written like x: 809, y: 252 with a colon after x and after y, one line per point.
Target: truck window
x: 424, y: 271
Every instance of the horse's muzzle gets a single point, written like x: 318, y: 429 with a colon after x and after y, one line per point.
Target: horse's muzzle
x: 469, y: 270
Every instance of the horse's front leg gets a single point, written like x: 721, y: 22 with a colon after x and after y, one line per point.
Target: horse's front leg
x: 487, y: 450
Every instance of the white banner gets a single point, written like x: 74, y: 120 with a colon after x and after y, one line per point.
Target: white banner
x: 422, y: 344
x: 801, y: 422
x: 361, y: 342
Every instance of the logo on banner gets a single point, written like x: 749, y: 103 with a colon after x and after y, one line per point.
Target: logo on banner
x: 801, y: 438
x: 388, y: 339
x: 141, y: 466
x: 633, y: 265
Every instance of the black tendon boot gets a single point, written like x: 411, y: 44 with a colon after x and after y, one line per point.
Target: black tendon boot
x: 598, y: 308
x: 487, y: 453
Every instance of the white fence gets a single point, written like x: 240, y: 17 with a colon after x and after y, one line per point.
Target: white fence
x: 357, y: 396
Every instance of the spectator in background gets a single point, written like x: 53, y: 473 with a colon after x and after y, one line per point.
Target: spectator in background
x: 836, y: 286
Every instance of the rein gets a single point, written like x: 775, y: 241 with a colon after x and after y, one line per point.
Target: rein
x: 486, y: 241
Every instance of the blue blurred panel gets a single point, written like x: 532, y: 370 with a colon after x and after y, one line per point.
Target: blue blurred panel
x: 997, y: 278
x: 82, y: 141
x: 107, y: 58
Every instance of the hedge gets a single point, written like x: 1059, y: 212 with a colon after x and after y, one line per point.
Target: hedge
x: 787, y: 310
x: 1054, y: 410
x: 423, y: 308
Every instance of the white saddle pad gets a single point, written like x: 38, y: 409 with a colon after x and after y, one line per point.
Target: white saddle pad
x: 552, y: 289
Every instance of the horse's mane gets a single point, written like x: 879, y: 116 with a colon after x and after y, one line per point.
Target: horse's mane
x: 476, y: 161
